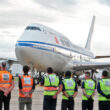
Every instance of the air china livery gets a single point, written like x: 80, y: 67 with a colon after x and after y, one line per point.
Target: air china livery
x: 42, y: 47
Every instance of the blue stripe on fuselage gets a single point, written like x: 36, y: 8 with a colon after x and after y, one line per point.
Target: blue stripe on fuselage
x: 35, y: 46
x: 37, y: 42
x: 40, y: 47
x: 46, y: 44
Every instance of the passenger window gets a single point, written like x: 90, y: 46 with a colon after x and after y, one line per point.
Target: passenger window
x: 65, y: 43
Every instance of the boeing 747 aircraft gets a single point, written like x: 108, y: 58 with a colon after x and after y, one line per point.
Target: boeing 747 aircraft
x: 41, y: 47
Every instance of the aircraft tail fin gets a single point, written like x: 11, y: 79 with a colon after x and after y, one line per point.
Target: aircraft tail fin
x: 88, y: 43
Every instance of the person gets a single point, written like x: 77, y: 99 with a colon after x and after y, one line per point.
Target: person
x: 88, y: 89
x: 52, y: 87
x: 70, y: 91
x: 26, y: 88
x: 6, y: 86
x: 103, y: 89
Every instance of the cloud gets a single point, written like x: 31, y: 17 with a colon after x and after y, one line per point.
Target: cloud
x: 4, y: 2
x: 7, y: 45
x: 59, y: 5
x: 107, y: 2
x: 101, y: 48
x: 16, y: 14
x: 23, y: 17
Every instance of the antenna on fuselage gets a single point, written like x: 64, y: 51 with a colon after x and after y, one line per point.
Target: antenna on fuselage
x: 88, y: 43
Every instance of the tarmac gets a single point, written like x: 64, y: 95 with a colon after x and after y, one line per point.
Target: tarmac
x: 37, y: 99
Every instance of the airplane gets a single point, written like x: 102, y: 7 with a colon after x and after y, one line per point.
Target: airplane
x: 41, y: 47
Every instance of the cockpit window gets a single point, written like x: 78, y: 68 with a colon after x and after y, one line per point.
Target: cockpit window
x: 33, y: 28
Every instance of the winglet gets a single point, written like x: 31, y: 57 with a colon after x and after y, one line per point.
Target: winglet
x: 88, y: 43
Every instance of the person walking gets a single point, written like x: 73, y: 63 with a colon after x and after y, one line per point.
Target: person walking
x: 52, y: 87
x: 70, y: 91
x: 88, y: 89
x: 26, y: 88
x: 6, y: 86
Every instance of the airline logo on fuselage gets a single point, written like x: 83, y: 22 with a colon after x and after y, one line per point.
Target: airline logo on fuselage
x: 56, y: 39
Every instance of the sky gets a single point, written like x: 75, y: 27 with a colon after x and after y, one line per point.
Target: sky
x: 69, y: 17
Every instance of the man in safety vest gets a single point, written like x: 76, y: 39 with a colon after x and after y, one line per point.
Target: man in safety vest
x: 52, y: 87
x: 6, y: 86
x: 70, y: 91
x: 103, y: 89
x: 88, y: 89
x: 26, y: 88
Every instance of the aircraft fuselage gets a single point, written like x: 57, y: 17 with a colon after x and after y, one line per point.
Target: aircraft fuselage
x: 43, y: 47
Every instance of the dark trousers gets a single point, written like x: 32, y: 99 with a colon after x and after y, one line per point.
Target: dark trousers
x: 104, y: 105
x: 87, y: 105
x: 67, y: 104
x: 25, y: 101
x: 49, y: 103
x: 5, y: 100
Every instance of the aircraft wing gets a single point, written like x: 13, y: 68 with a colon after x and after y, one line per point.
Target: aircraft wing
x: 10, y: 61
x: 106, y: 56
x: 90, y: 65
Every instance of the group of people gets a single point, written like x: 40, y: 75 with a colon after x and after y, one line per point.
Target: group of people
x: 52, y: 87
x: 26, y: 88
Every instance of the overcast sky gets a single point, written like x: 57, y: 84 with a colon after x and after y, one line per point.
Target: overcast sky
x: 70, y: 17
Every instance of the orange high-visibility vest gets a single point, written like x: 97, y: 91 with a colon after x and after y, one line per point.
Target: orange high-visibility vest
x: 5, y: 79
x: 27, y: 84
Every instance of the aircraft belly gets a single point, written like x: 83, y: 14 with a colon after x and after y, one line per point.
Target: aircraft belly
x: 41, y: 59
